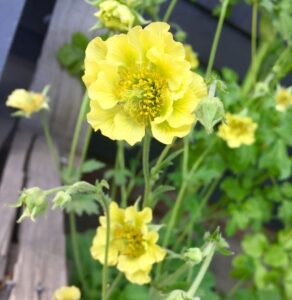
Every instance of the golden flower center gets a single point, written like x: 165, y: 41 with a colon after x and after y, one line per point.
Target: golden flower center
x: 239, y: 127
x: 129, y: 240
x: 142, y: 91
x: 284, y: 98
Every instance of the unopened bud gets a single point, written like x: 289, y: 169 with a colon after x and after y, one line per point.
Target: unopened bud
x: 61, y: 199
x: 193, y: 255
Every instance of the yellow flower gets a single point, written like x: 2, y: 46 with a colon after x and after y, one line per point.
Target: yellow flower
x: 27, y: 102
x: 138, y: 80
x: 115, y: 15
x: 191, y: 56
x: 132, y: 248
x: 237, y: 131
x: 283, y: 99
x: 67, y: 293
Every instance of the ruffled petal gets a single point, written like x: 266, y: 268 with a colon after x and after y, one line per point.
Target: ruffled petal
x: 165, y: 133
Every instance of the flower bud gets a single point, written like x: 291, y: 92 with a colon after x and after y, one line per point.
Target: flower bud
x: 193, y: 255
x: 35, y: 203
x: 61, y: 199
x: 115, y: 15
x: 179, y: 295
x: 209, y: 112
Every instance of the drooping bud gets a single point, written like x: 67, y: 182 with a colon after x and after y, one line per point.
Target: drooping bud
x: 61, y: 199
x: 193, y: 255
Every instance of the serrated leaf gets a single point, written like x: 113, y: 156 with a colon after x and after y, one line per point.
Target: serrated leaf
x: 81, y: 187
x: 82, y: 204
x: 91, y: 165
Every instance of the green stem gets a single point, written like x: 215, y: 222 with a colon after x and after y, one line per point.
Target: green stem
x: 77, y: 131
x: 121, y: 166
x: 185, y: 157
x: 115, y: 284
x: 254, y: 34
x: 76, y: 254
x: 217, y: 37
x: 146, y: 171
x: 180, y: 271
x: 169, y: 10
x: 49, y: 140
x: 107, y: 240
x: 194, y: 287
x: 160, y: 159
x: 84, y: 150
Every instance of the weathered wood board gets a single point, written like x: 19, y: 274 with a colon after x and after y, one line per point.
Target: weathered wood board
x: 41, y: 266
x: 12, y: 182
x: 66, y: 92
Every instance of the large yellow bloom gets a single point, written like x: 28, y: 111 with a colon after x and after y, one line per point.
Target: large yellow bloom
x: 138, y: 80
x: 67, y: 293
x: 27, y: 102
x: 237, y: 131
x: 132, y: 247
x: 283, y: 99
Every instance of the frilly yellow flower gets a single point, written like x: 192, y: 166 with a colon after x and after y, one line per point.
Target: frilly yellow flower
x: 283, y: 99
x: 141, y: 80
x: 237, y: 131
x: 115, y: 15
x: 26, y: 102
x: 132, y: 249
x: 67, y: 293
x: 191, y: 56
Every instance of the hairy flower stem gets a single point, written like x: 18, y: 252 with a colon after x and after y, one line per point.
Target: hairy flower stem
x: 169, y: 10
x: 121, y: 166
x: 217, y: 37
x: 194, y: 287
x: 49, y: 140
x: 75, y: 249
x: 185, y: 163
x: 107, y: 239
x: 115, y: 284
x: 84, y: 150
x: 146, y: 171
x: 174, y: 214
x: 77, y: 132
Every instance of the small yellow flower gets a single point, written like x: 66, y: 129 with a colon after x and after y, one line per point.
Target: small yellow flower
x: 141, y: 80
x: 27, y: 102
x: 191, y: 56
x: 132, y: 249
x: 283, y: 99
x: 237, y: 131
x: 67, y: 293
x: 115, y: 15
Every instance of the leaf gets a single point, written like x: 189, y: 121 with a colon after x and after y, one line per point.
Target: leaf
x: 285, y: 212
x: 91, y: 165
x: 160, y: 190
x: 82, y: 204
x: 232, y: 188
x: 276, y: 256
x: 255, y: 245
x: 81, y: 187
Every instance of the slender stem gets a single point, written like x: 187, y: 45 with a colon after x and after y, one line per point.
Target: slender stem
x: 217, y: 37
x: 115, y: 284
x: 76, y: 254
x: 180, y: 271
x: 185, y: 157
x: 160, y: 159
x: 77, y: 131
x: 121, y: 166
x: 105, y: 265
x: 193, y: 289
x: 146, y: 171
x: 49, y: 140
x: 254, y: 32
x: 84, y: 150
x: 169, y: 10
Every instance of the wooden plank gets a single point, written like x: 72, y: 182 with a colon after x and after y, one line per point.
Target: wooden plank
x: 66, y: 92
x: 41, y: 260
x: 6, y: 125
x: 10, y: 12
x: 11, y: 184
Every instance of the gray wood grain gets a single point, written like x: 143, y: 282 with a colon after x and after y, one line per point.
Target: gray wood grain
x: 69, y: 16
x: 11, y: 184
x: 41, y: 259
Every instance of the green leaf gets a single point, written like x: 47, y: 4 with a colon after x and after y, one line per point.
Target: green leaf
x: 285, y: 212
x: 91, y: 165
x: 232, y: 188
x: 81, y: 187
x: 243, y: 266
x: 255, y: 245
x: 269, y: 295
x: 134, y: 292
x: 83, y: 204
x: 276, y: 256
